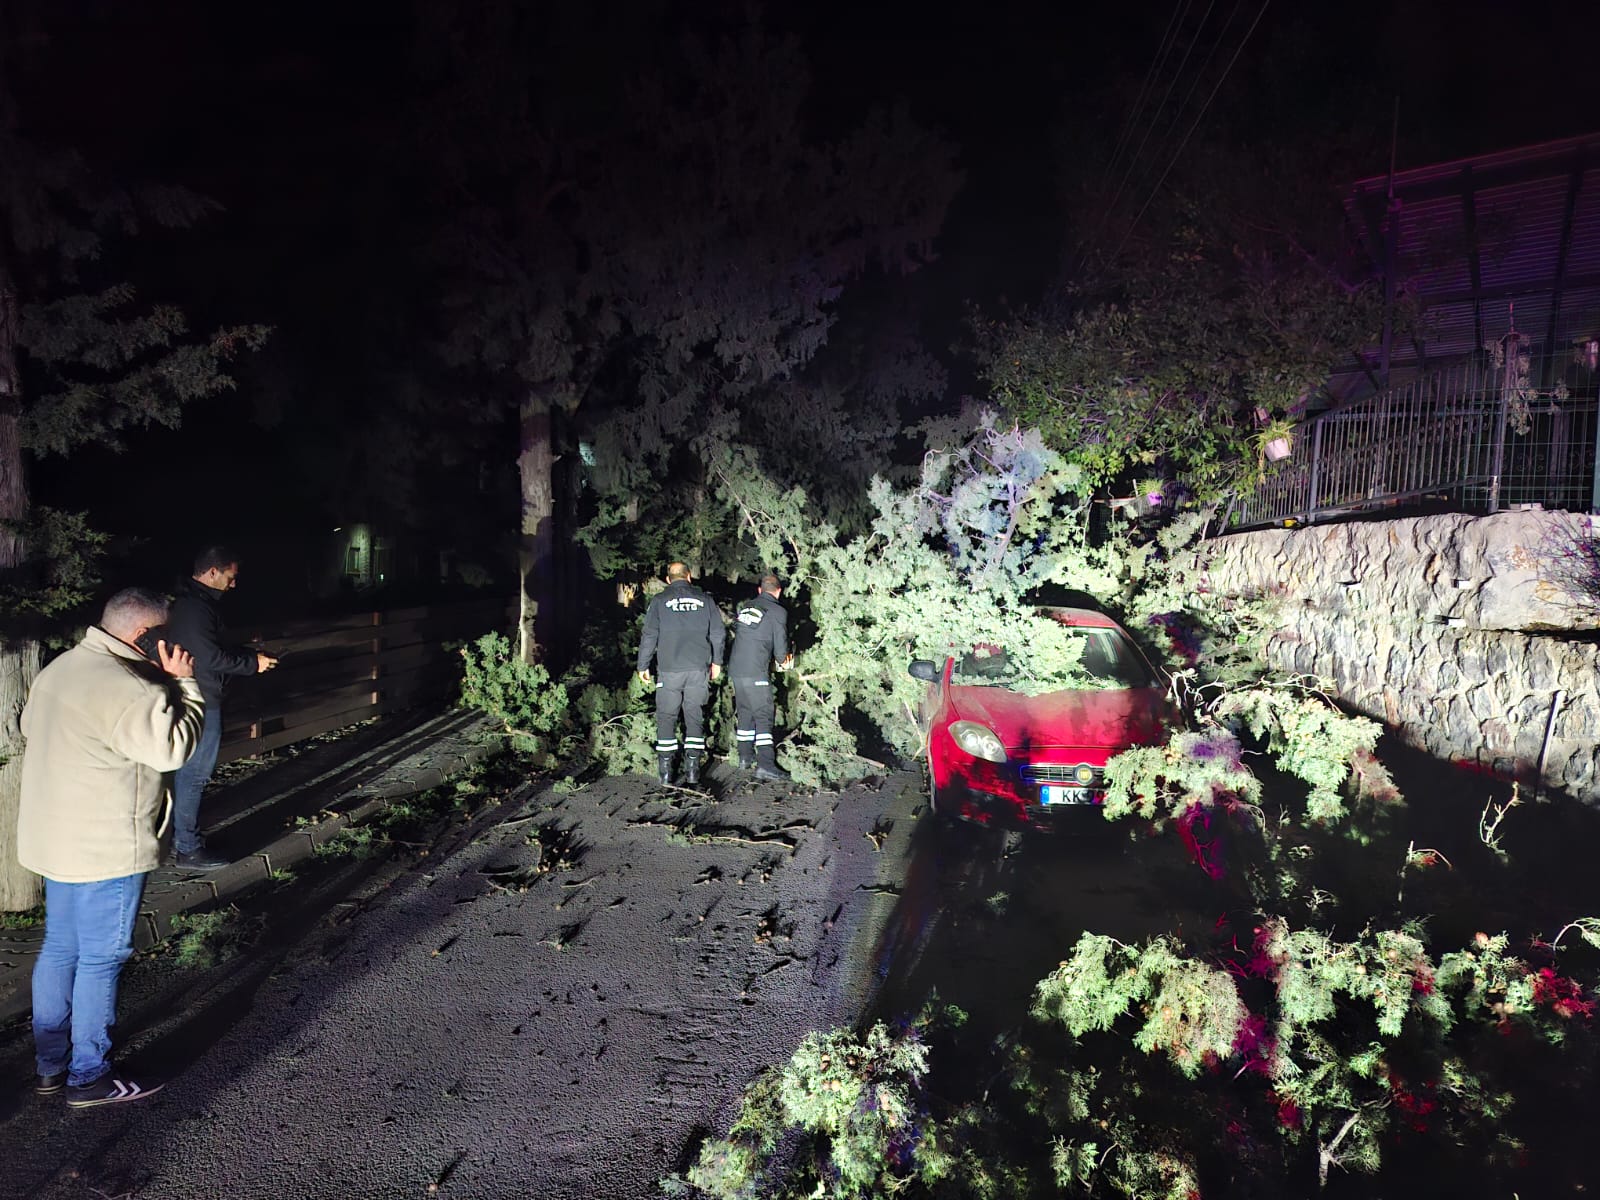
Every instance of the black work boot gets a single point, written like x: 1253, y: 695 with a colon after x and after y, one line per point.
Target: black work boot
x: 664, y: 767
x: 691, y: 770
x: 767, y: 768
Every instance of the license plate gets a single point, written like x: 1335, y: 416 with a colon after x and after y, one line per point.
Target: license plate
x: 1060, y: 793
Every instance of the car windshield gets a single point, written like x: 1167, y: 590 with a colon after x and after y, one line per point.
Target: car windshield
x: 1095, y: 657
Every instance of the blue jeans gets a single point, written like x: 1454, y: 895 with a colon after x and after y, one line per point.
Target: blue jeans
x: 88, y: 935
x: 190, y: 780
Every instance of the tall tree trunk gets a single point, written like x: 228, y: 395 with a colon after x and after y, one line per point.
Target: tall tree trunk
x: 19, y: 656
x: 536, y: 466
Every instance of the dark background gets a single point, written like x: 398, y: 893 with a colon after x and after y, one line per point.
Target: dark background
x: 299, y: 120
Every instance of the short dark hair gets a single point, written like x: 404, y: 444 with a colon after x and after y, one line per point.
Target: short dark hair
x: 677, y: 570
x: 220, y: 557
x: 771, y: 583
x: 133, y: 606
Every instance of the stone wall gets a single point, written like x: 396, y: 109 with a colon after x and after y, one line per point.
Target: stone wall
x: 1446, y: 628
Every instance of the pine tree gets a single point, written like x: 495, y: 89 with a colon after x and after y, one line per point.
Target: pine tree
x: 659, y: 234
x: 80, y: 362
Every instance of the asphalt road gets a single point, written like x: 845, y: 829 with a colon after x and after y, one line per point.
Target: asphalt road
x: 560, y: 995
x: 553, y: 1000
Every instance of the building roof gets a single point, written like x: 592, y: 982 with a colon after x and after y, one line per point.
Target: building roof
x: 1482, y: 242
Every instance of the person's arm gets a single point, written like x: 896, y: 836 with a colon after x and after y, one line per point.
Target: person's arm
x: 240, y: 660
x: 647, y: 643
x: 197, y: 627
x: 160, y: 729
x: 780, y: 633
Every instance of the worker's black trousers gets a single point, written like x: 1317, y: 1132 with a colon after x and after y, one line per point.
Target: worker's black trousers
x: 682, y: 692
x: 754, y: 707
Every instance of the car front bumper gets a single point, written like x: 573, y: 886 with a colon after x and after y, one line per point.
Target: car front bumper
x: 1009, y: 805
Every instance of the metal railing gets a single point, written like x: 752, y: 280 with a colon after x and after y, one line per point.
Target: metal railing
x: 1478, y: 437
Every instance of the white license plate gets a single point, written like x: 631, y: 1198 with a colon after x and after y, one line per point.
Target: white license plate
x: 1060, y: 793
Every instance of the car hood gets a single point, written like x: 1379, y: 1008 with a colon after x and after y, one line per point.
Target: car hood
x: 1094, y: 719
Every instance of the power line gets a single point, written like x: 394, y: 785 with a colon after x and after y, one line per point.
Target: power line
x: 1200, y: 73
x: 1176, y: 75
x: 1193, y: 125
x: 1168, y: 40
x: 1132, y: 120
x: 1133, y: 160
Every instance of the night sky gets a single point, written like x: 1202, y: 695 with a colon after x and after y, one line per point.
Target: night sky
x: 294, y: 117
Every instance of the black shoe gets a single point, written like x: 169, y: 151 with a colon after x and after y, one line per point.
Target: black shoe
x: 747, y: 764
x: 200, y: 860
x: 664, y: 768
x: 691, y: 772
x: 108, y: 1089
x: 776, y: 773
x: 49, y: 1085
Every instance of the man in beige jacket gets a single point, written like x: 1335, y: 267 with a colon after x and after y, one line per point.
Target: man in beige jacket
x: 102, y: 724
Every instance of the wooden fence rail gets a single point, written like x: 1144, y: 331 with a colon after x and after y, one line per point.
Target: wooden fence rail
x: 335, y: 671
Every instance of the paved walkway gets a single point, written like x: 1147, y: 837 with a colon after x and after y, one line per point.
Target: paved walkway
x: 251, y: 815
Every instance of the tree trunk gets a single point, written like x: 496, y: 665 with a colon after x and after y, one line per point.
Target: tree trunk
x: 20, y: 888
x: 536, y: 466
x: 19, y: 656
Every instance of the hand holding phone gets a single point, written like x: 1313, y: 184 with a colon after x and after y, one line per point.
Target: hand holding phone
x: 175, y: 660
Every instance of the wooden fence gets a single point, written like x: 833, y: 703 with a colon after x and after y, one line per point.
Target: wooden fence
x: 335, y: 671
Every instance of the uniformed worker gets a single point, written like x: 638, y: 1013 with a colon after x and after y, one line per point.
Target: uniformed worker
x: 760, y: 638
x: 684, y: 634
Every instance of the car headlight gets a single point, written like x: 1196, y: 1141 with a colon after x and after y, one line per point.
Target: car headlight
x: 978, y: 740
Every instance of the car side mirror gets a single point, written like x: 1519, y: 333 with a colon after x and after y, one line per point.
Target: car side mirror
x: 925, y: 669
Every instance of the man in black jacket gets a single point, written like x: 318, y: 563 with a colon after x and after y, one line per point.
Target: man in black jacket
x: 684, y: 634
x: 195, y: 623
x: 760, y: 638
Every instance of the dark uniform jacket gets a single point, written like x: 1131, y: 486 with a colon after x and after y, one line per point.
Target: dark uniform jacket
x: 760, y: 637
x: 682, y: 631
x: 195, y: 623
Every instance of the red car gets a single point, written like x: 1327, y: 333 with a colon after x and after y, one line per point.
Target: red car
x: 1001, y: 757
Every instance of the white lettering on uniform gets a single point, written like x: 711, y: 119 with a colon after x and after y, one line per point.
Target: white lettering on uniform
x: 749, y: 616
x: 685, y: 604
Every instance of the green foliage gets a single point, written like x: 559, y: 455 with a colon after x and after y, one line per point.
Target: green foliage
x: 1349, y: 1083
x: 1156, y: 1174
x: 1339, y: 1045
x: 1324, y: 1041
x: 1588, y: 929
x: 613, y: 716
x: 1191, y: 769
x: 1191, y: 1010
x: 91, y: 362
x: 1489, y: 977
x: 961, y: 556
x: 956, y: 560
x: 103, y: 369
x: 1238, y: 296
x: 60, y: 572
x: 856, y: 1101
x: 520, y: 695
x: 1093, y: 384
x: 28, y: 918
x: 621, y: 731
x: 353, y: 841
x: 1304, y: 734
x: 205, y: 939
x: 1307, y: 736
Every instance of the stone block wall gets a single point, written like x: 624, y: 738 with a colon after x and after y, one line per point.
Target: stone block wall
x: 1447, y: 628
